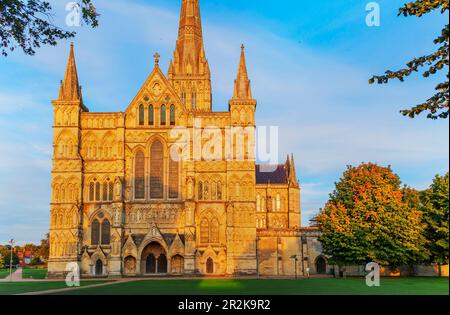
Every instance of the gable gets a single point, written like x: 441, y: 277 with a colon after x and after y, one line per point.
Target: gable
x: 156, y: 91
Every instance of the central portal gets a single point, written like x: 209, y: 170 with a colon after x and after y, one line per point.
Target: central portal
x: 154, y: 259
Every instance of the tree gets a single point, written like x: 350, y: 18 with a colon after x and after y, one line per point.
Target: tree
x: 437, y: 106
x: 44, y: 248
x: 35, y: 261
x: 435, y: 202
x: 7, y: 257
x: 28, y: 24
x: 368, y: 218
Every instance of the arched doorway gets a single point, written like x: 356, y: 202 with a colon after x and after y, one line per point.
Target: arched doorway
x: 150, y: 264
x: 209, y: 265
x: 177, y: 264
x: 162, y: 264
x: 98, y: 269
x: 321, y: 265
x: 154, y: 259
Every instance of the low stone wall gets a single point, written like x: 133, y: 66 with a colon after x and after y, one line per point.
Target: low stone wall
x: 431, y: 270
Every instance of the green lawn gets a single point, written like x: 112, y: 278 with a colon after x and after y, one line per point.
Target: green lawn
x: 322, y: 286
x: 4, y: 273
x: 38, y: 273
x: 24, y: 287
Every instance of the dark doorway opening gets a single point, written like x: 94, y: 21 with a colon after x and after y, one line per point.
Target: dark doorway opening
x: 154, y: 259
x: 98, y: 268
x: 209, y: 265
x: 162, y: 264
x: 150, y: 264
x: 321, y: 265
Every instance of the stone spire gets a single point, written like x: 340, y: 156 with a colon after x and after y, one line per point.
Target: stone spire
x: 189, y: 55
x: 292, y: 173
x: 70, y: 89
x: 189, y: 70
x: 242, y: 89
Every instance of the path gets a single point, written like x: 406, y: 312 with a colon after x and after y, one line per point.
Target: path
x: 16, y: 276
x: 76, y: 288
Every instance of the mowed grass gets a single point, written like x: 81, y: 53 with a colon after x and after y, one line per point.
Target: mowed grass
x: 9, y: 288
x: 322, y: 286
x: 37, y: 273
x: 4, y: 273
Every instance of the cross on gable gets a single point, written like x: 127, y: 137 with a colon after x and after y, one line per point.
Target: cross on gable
x: 156, y: 55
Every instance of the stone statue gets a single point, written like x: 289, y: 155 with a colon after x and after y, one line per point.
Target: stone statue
x: 118, y: 189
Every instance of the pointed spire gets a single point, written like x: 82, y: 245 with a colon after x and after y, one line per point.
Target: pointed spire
x: 70, y: 89
x: 242, y: 88
x: 292, y: 172
x: 170, y: 72
x: 189, y: 52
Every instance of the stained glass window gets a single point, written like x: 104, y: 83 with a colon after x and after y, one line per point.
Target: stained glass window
x: 157, y: 171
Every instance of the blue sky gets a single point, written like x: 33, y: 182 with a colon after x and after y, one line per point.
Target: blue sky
x: 309, y: 62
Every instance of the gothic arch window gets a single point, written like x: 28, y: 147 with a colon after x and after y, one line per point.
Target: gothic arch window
x: 110, y: 191
x: 97, y: 191
x: 105, y: 191
x: 92, y: 191
x: 214, y: 231
x: 151, y: 115
x: 172, y: 115
x: 157, y: 171
x: 95, y: 232
x: 258, y: 203
x: 219, y: 191
x: 163, y: 115
x: 204, y: 231
x: 106, y: 232
x: 139, y: 179
x: 141, y: 115
x: 173, y: 175
x: 100, y: 231
x: 200, y: 190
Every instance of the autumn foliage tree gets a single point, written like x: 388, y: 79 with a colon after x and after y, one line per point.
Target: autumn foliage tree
x: 369, y: 217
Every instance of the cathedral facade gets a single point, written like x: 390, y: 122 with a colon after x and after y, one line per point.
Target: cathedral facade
x: 169, y: 186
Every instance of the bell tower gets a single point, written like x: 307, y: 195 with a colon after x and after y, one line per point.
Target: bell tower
x: 67, y: 180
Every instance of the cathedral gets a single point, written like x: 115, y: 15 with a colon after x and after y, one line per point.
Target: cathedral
x: 169, y: 186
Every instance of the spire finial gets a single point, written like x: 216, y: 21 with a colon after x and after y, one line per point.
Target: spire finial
x: 242, y: 88
x: 70, y: 88
x: 156, y: 55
